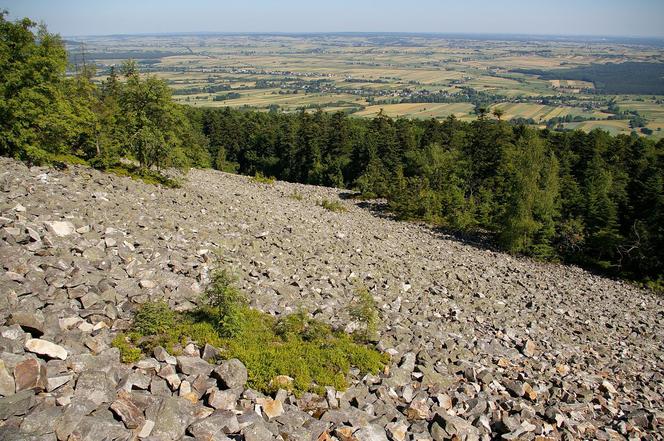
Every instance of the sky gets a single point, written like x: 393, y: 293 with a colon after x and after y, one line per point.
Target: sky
x: 643, y: 18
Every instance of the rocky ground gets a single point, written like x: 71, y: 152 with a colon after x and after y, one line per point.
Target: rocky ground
x: 483, y: 345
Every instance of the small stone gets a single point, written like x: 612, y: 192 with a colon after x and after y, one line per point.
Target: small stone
x: 146, y: 430
x: 221, y: 421
x: 371, y: 432
x: 231, y: 373
x: 7, y: 385
x: 147, y: 284
x: 444, y: 401
x: 95, y: 386
x: 193, y: 366
x: 30, y: 375
x: 530, y: 392
x: 418, y: 409
x: 397, y: 431
x: 60, y: 228
x: 29, y: 322
x: 162, y: 355
x: 44, y: 347
x: 257, y: 432
x: 17, y: 404
x: 58, y: 381
x: 128, y: 412
x: 222, y: 399
x: 168, y: 373
x: 529, y: 348
x: 608, y: 387
x: 271, y: 408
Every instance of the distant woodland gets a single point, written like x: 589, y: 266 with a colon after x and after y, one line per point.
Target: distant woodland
x: 612, y: 78
x: 590, y: 199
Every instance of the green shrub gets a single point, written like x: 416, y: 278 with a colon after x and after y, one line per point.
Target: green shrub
x: 154, y: 318
x: 259, y: 178
x: 227, y: 300
x: 311, y: 352
x: 128, y: 352
x: 363, y: 309
x: 151, y: 177
x: 334, y: 206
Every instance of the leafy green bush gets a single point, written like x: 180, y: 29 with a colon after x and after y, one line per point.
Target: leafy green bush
x: 334, y: 206
x: 311, y: 352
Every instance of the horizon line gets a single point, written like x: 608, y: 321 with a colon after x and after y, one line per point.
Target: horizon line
x: 411, y: 33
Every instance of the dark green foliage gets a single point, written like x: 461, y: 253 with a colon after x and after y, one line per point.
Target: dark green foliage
x: 612, y: 78
x: 227, y: 301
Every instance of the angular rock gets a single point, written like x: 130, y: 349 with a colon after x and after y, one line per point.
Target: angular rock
x: 30, y: 322
x: 371, y: 432
x: 172, y: 418
x: 95, y: 386
x: 194, y: 366
x: 231, y: 374
x: 7, y: 384
x: 44, y: 347
x: 220, y: 422
x: 17, y: 404
x: 222, y: 399
x: 30, y: 375
x: 128, y: 412
x: 60, y: 228
x: 271, y: 408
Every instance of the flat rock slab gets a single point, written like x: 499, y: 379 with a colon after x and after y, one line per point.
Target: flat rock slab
x: 44, y: 347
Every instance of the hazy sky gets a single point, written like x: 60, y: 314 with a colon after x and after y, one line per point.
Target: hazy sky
x: 569, y: 17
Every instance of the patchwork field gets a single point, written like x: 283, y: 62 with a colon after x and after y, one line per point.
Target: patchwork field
x: 541, y: 113
x: 418, y: 76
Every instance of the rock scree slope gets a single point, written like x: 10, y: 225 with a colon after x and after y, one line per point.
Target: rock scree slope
x: 483, y: 345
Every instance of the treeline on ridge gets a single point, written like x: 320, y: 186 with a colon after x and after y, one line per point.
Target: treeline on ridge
x: 591, y: 199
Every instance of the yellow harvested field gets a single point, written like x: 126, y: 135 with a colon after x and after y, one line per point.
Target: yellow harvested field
x: 614, y: 127
x: 419, y: 110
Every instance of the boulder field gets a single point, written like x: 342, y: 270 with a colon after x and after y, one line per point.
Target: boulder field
x: 483, y: 345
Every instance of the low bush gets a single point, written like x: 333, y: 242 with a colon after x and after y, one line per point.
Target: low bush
x: 146, y: 175
x: 334, y: 206
x: 259, y: 178
x: 311, y: 352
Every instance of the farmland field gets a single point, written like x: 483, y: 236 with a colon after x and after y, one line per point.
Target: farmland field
x: 405, y: 75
